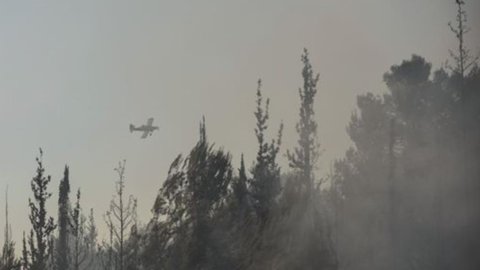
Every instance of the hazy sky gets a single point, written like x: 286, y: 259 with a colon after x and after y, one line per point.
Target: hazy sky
x: 74, y: 74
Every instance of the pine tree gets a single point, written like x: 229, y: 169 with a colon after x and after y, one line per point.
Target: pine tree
x: 299, y: 237
x: 304, y: 157
x: 42, y: 225
x: 195, y: 189
x: 265, y: 183
x: 63, y: 246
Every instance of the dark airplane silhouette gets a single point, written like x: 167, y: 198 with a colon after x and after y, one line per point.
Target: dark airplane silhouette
x: 146, y: 129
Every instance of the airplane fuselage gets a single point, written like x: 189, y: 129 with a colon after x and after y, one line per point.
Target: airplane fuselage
x: 145, y: 128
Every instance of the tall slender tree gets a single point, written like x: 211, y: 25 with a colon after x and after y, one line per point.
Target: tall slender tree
x: 265, y: 183
x: 305, y: 155
x: 25, y: 260
x: 63, y: 246
x: 77, y: 223
x: 299, y: 237
x: 42, y: 225
x: 240, y: 191
x: 91, y: 241
x: 121, y: 215
x: 8, y: 260
x: 463, y: 59
x: 106, y: 252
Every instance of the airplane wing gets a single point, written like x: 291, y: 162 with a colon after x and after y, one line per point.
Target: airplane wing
x: 145, y: 134
x: 150, y: 121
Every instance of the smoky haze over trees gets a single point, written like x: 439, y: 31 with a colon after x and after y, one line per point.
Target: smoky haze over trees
x: 406, y: 195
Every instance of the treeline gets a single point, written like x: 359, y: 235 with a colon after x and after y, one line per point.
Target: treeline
x: 404, y: 196
x: 207, y: 215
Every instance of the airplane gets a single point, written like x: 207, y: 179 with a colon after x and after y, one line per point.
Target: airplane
x: 146, y: 129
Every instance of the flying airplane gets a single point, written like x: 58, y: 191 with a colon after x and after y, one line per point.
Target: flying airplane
x: 146, y: 129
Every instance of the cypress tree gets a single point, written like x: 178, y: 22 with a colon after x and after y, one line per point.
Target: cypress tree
x: 63, y: 247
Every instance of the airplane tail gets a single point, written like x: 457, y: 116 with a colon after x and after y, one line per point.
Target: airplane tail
x: 132, y: 127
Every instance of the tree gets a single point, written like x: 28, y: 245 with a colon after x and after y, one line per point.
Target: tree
x: 91, y: 240
x: 132, y: 258
x: 240, y: 193
x: 406, y: 175
x: 121, y: 215
x: 52, y: 265
x: 361, y: 178
x: 299, y: 236
x: 80, y: 252
x: 265, y: 183
x: 306, y: 154
x: 153, y: 255
x: 194, y: 191
x: 25, y: 261
x: 296, y: 235
x: 465, y: 81
x: 8, y: 260
x: 106, y: 253
x: 63, y: 246
x: 464, y: 61
x: 42, y: 225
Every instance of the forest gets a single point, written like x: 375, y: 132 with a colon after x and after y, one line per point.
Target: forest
x: 406, y: 195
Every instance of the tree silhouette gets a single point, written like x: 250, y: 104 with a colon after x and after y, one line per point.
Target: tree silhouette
x: 42, y: 225
x: 464, y: 61
x: 121, y: 215
x: 265, y: 182
x: 305, y: 155
x: 8, y: 260
x: 63, y: 246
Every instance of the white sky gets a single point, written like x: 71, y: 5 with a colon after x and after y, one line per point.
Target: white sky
x: 74, y: 74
